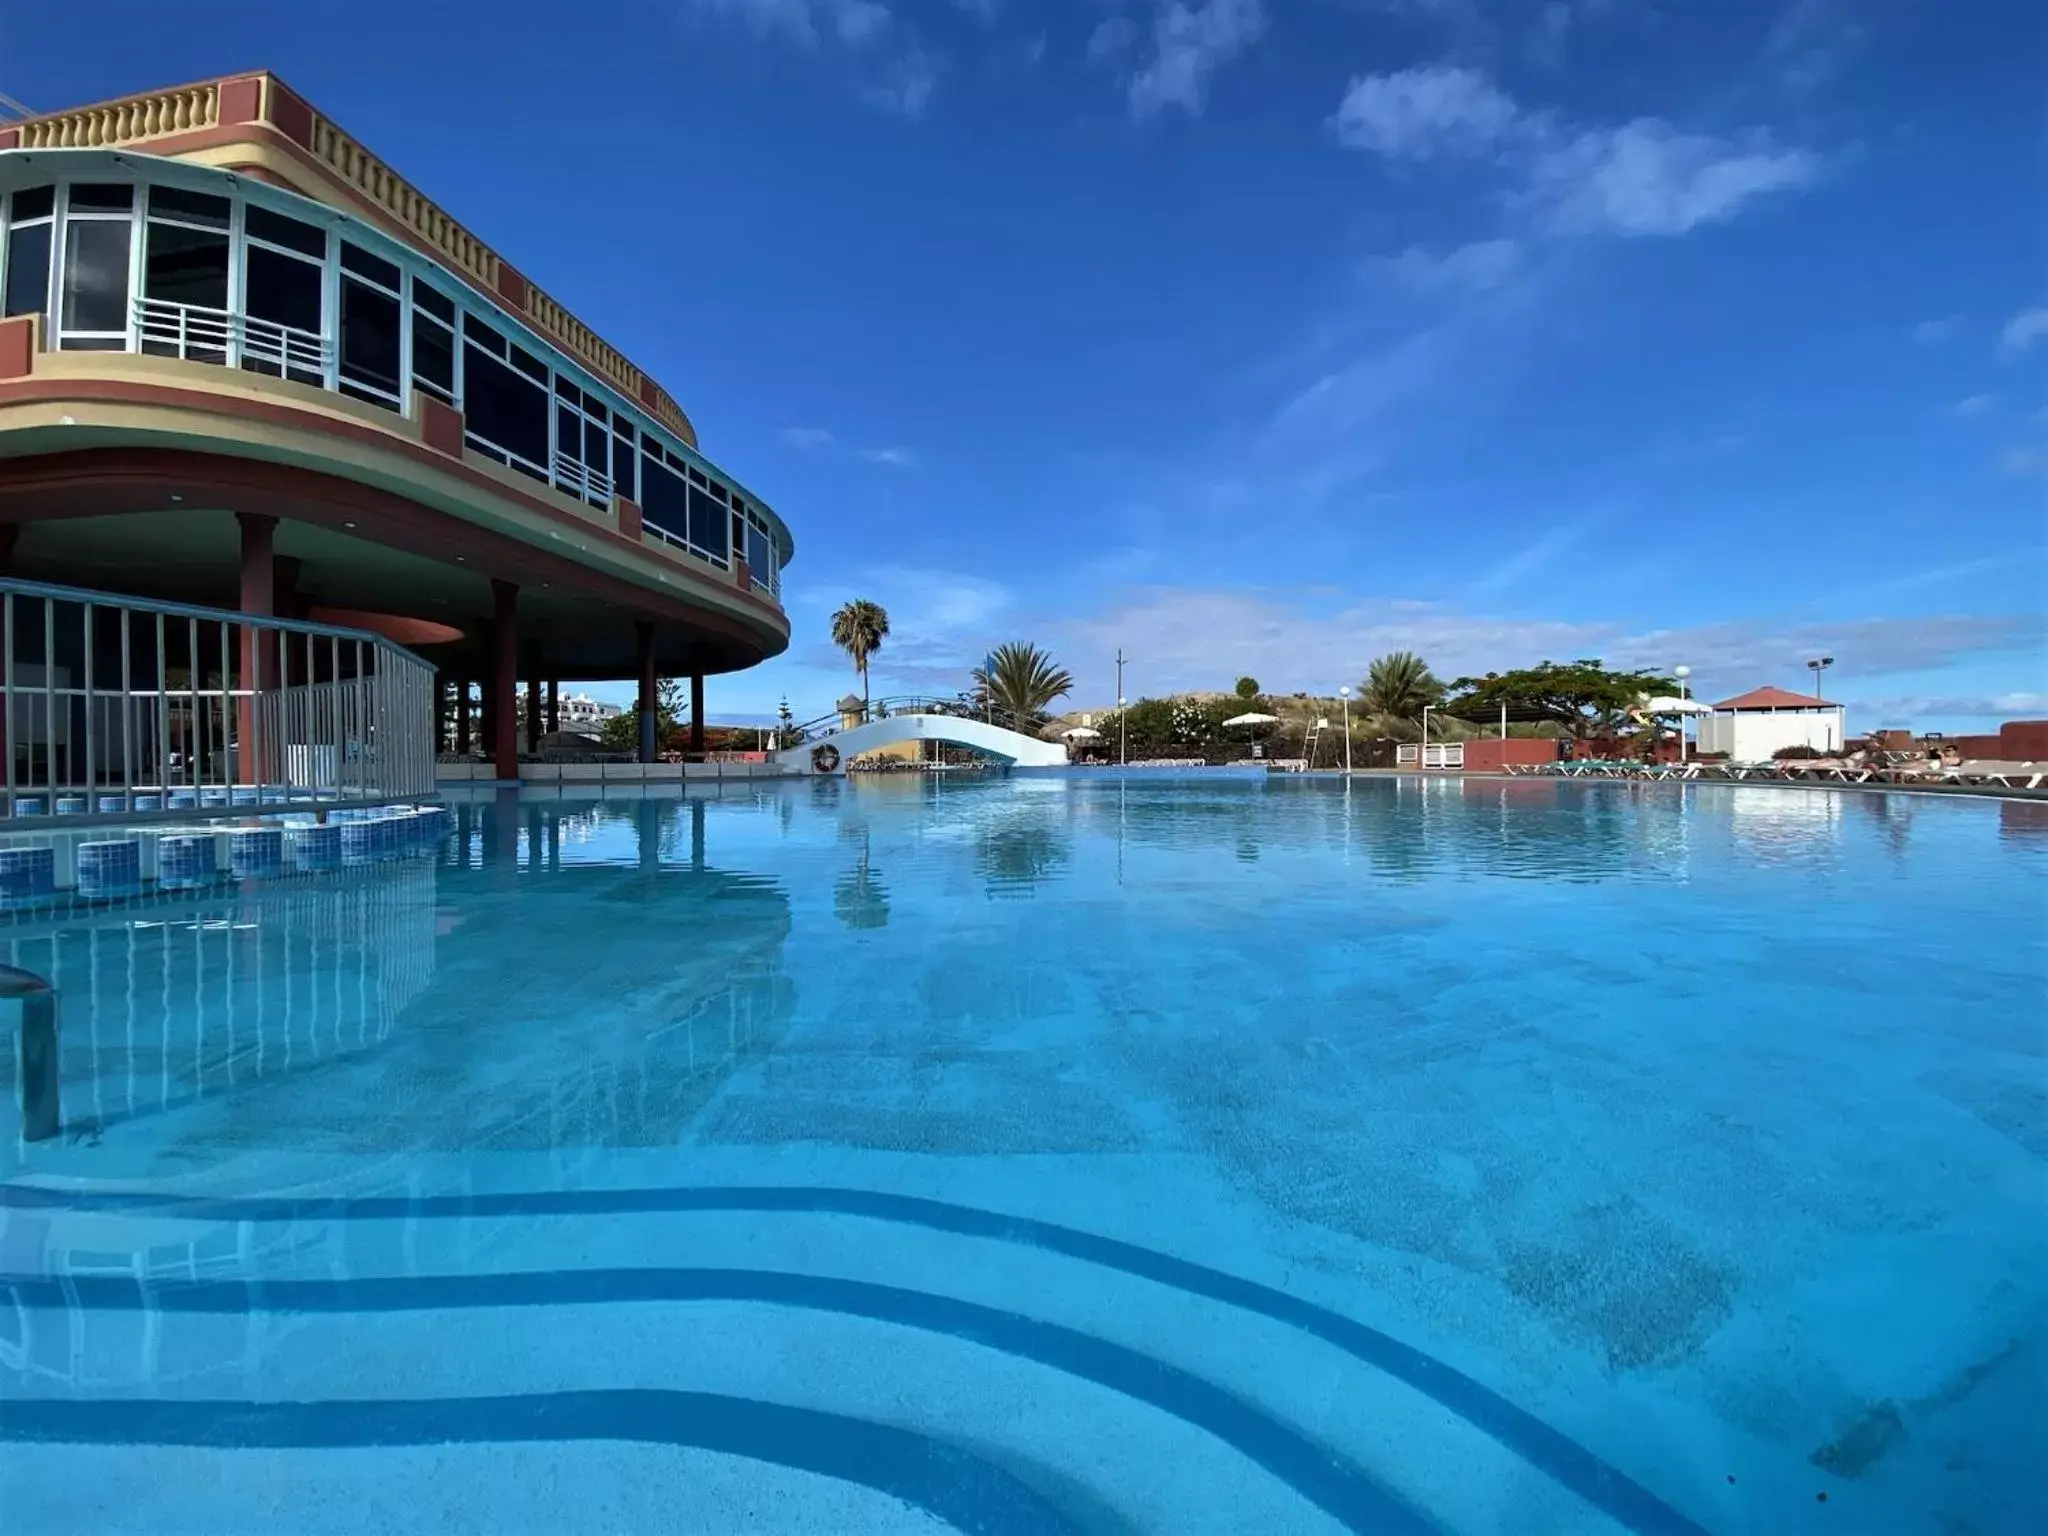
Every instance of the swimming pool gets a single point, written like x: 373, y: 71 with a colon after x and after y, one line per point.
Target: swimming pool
x: 1066, y: 1153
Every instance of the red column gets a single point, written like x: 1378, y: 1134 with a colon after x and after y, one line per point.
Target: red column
x: 697, y: 713
x: 643, y: 634
x: 505, y: 678
x: 10, y: 535
x: 554, y: 705
x: 259, y: 660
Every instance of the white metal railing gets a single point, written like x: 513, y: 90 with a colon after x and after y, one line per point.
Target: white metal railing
x: 1438, y: 754
x: 580, y: 480
x: 200, y: 334
x: 116, y: 708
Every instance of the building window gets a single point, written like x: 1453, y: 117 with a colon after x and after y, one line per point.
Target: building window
x: 707, y: 525
x: 433, y: 342
x: 28, y: 252
x: 504, y: 407
x: 664, y: 497
x: 625, y: 460
x: 582, y: 444
x: 370, y: 322
x: 185, y: 260
x: 92, y: 297
x: 284, y: 270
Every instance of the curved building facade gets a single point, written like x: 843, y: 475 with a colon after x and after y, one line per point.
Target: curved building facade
x: 244, y: 363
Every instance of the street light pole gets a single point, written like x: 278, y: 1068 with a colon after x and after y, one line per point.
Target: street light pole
x: 1120, y: 761
x: 1818, y: 665
x: 1344, y: 693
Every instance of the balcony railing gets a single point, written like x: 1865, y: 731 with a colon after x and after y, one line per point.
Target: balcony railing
x: 579, y: 480
x: 199, y: 334
x: 117, y: 709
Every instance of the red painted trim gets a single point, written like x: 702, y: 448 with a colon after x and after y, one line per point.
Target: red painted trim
x: 289, y: 113
x: 513, y: 288
x: 135, y: 392
x: 629, y: 517
x: 10, y: 138
x: 241, y: 101
x: 17, y: 346
x: 440, y: 424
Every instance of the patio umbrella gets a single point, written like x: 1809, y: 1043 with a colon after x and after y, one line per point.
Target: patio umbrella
x: 1252, y: 719
x: 1669, y: 706
x: 1080, y: 733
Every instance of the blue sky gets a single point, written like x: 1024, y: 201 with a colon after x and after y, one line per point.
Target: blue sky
x: 1267, y: 335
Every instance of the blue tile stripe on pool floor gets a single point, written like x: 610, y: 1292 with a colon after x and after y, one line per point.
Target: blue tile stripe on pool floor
x: 963, y: 1490
x: 1550, y: 1450
x: 1336, y: 1486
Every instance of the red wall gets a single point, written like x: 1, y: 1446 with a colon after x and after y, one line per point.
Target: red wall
x: 1491, y: 754
x: 2023, y: 741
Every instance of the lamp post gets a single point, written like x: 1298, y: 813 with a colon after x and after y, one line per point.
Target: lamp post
x: 1422, y: 757
x: 1344, y: 693
x: 1681, y: 673
x: 1818, y: 665
x: 1120, y: 706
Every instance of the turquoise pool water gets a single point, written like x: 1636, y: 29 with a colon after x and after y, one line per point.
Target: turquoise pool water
x: 1056, y: 1154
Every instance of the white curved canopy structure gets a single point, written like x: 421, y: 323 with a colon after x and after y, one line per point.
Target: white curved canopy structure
x: 1012, y: 746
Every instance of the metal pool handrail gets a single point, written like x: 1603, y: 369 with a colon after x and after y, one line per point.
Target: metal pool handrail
x: 137, y: 708
x: 41, y: 1117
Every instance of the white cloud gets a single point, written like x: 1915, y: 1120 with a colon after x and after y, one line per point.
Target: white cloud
x: 1190, y: 637
x: 1190, y: 42
x: 2024, y: 461
x: 1973, y: 405
x: 1479, y: 265
x: 894, y: 458
x: 2022, y: 704
x: 1932, y: 333
x: 1648, y: 178
x: 906, y: 85
x: 806, y: 438
x: 1419, y: 114
x: 2023, y: 330
x: 1112, y: 39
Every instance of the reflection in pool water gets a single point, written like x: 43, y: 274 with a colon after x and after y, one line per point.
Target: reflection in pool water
x: 1057, y: 1153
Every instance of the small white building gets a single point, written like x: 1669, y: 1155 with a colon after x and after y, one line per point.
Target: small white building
x: 1754, y: 726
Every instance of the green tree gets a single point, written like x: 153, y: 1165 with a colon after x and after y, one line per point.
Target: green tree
x: 1248, y: 688
x: 1399, y: 685
x: 1023, y: 679
x: 859, y: 628
x: 1584, y: 697
x: 622, y: 731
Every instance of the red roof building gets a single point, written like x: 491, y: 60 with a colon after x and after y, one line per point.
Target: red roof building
x: 1774, y: 698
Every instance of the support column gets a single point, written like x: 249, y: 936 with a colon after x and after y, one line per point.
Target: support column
x: 533, y: 700
x: 10, y: 535
x: 505, y: 678
x: 643, y: 633
x: 258, y: 660
x: 554, y: 705
x: 697, y: 713
x: 462, y: 717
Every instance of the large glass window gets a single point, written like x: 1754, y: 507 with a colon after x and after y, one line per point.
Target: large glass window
x: 433, y: 342
x: 29, y: 235
x: 505, y: 408
x: 185, y: 259
x: 664, y: 496
x: 371, y: 319
x: 760, y: 553
x: 283, y: 285
x: 93, y: 298
x: 707, y: 524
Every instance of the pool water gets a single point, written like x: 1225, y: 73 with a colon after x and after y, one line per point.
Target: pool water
x: 1065, y: 1153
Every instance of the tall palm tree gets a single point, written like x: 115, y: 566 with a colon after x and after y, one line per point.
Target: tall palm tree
x: 1022, y: 679
x: 858, y: 628
x: 1399, y: 685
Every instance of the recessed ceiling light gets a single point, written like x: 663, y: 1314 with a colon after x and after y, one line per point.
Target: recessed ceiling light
x: 348, y: 525
x: 176, y: 499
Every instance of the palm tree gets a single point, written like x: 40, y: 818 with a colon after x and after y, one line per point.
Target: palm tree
x: 858, y: 628
x: 1022, y: 679
x: 1399, y: 686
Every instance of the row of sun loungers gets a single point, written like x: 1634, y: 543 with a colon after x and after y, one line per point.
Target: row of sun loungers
x: 1971, y: 775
